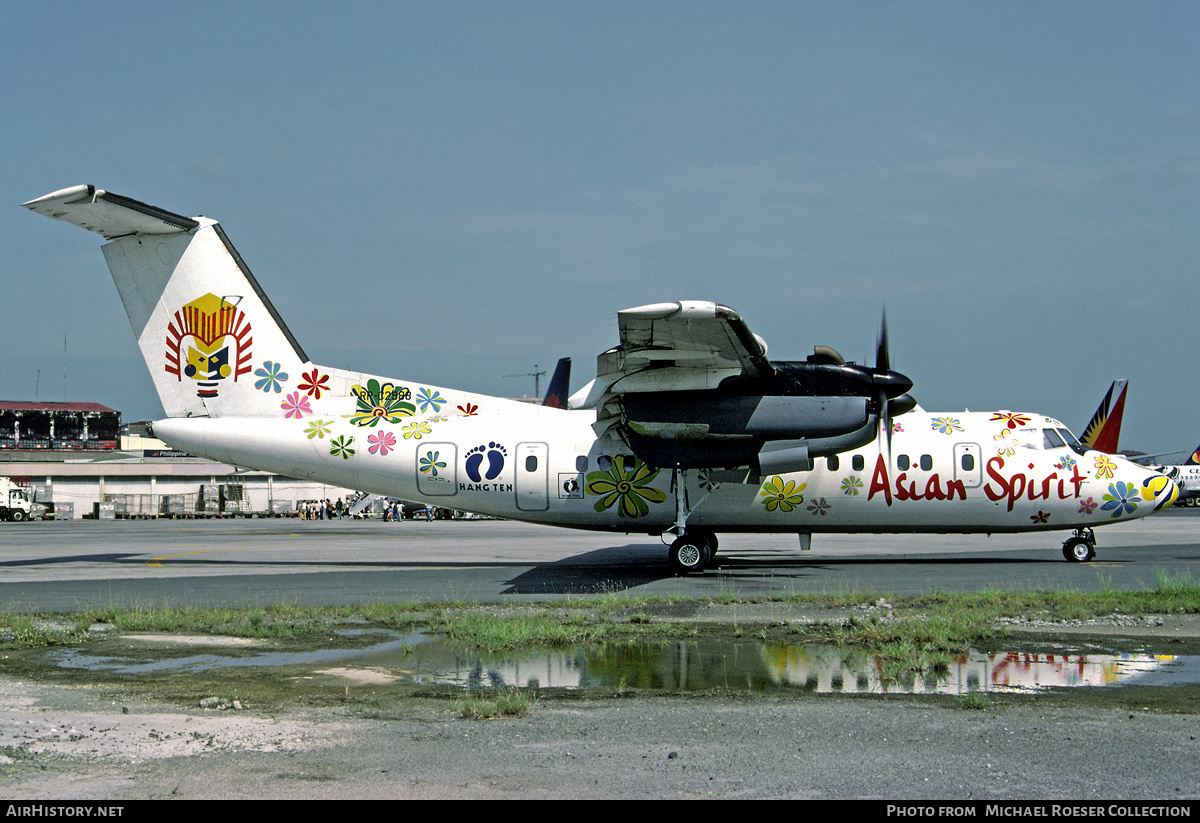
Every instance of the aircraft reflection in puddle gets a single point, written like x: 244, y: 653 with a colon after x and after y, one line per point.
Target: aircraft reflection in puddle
x: 699, y: 666
x: 680, y: 666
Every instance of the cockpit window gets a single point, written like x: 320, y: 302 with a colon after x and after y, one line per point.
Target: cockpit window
x: 1075, y: 445
x: 1051, y: 439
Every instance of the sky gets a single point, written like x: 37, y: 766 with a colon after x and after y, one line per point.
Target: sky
x: 455, y: 192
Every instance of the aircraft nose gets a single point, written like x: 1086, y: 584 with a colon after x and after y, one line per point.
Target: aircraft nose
x: 1160, y: 489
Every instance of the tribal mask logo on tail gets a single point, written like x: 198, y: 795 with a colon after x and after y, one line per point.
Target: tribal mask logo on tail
x: 208, y: 341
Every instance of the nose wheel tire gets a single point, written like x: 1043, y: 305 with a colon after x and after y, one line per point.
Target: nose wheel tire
x: 1078, y: 550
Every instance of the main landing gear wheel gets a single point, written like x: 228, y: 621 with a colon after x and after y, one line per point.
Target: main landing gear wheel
x: 690, y: 553
x: 1079, y: 550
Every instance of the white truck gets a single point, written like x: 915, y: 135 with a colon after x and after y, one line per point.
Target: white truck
x: 14, y: 501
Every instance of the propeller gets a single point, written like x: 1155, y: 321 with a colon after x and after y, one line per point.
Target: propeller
x: 892, y: 387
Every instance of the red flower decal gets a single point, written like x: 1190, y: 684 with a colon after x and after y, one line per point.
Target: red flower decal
x: 314, y: 384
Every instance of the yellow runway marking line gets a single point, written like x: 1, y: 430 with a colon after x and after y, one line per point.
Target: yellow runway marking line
x: 151, y: 562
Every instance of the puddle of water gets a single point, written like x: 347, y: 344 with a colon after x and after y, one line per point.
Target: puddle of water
x: 683, y: 666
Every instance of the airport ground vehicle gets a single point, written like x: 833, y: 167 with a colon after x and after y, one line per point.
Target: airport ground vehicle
x: 14, y: 501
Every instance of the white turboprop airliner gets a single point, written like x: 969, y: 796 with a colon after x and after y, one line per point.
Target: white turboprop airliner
x: 687, y: 430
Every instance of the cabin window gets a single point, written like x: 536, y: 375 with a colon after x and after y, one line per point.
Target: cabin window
x: 858, y: 462
x: 832, y: 462
x: 968, y: 462
x: 902, y: 462
x: 926, y: 463
x: 531, y: 463
x: 581, y: 463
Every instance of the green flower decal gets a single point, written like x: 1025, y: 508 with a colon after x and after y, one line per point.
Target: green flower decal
x: 780, y: 495
x: 851, y: 485
x: 318, y: 429
x: 340, y: 447
x: 628, y: 488
x: 378, y: 401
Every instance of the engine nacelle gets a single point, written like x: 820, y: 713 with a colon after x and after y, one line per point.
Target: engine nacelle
x: 804, y: 410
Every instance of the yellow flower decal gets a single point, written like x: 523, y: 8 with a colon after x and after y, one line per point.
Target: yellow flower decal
x: 628, y: 488
x: 417, y: 429
x: 780, y: 495
x: 1105, y: 467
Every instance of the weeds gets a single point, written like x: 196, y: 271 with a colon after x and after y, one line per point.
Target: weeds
x: 974, y: 700
x: 29, y: 633
x: 510, y: 702
x: 916, y: 632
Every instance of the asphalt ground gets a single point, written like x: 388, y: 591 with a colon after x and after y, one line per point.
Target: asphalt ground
x: 64, y: 566
x: 111, y: 742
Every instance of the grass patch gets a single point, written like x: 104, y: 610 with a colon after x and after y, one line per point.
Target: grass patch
x: 510, y: 702
x: 918, y: 631
x: 493, y: 633
x: 975, y: 701
x: 25, y: 632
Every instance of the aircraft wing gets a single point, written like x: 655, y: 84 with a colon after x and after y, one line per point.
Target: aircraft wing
x: 684, y: 346
x: 108, y: 214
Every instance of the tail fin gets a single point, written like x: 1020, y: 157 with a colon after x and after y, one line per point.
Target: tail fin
x: 201, y: 320
x: 1194, y: 460
x: 560, y: 385
x: 1104, y: 429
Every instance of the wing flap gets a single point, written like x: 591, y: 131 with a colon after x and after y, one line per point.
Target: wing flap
x: 692, y: 334
x: 684, y: 346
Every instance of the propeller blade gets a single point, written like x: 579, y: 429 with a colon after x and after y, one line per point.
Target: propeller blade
x: 883, y: 365
x: 883, y: 359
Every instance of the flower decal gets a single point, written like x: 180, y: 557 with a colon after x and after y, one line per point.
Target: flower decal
x: 819, y: 506
x: 416, y: 430
x: 946, y: 425
x: 381, y: 443
x: 318, y: 429
x: 340, y: 447
x: 296, y: 406
x: 1088, y: 506
x: 1105, y: 467
x: 1065, y: 462
x: 430, y: 463
x: 270, y: 377
x: 851, y: 486
x: 427, y: 400
x: 1040, y: 517
x: 314, y: 383
x: 380, y: 401
x: 780, y: 495
x: 469, y: 409
x: 1011, y: 420
x: 1121, y: 499
x: 626, y: 484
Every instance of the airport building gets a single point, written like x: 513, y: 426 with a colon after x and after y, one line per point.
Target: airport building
x: 77, y: 460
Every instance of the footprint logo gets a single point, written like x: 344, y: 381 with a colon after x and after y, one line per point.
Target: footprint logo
x: 495, y: 454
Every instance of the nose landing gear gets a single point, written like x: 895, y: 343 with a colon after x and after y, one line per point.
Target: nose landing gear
x: 1081, y: 546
